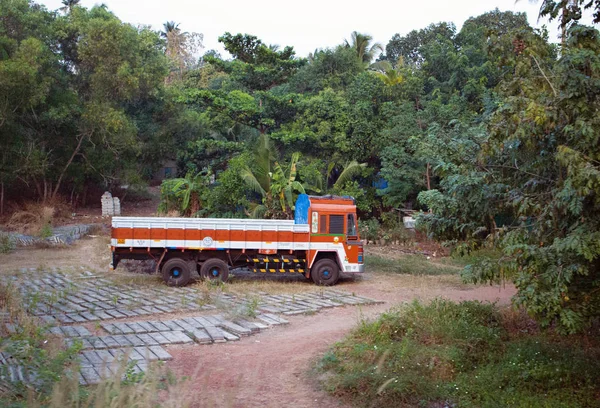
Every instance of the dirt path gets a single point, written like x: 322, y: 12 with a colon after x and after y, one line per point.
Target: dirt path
x: 272, y: 369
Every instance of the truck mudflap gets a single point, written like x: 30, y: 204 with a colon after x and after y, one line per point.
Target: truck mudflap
x: 115, y: 261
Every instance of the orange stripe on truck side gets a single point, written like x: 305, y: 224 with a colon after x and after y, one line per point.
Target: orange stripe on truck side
x: 216, y: 235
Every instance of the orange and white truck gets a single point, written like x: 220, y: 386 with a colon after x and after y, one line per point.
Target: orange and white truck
x: 321, y: 243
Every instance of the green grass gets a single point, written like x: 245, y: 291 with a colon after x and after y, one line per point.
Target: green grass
x: 413, y: 265
x: 461, y: 354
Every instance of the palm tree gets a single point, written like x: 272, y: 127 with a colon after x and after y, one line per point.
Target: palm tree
x: 272, y: 181
x: 176, y: 44
x: 386, y: 72
x: 68, y: 5
x: 350, y: 170
x: 361, y: 43
x: 190, y: 189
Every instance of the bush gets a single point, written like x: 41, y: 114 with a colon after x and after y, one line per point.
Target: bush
x: 6, y: 243
x: 369, y: 229
x: 393, y: 228
x: 465, y: 354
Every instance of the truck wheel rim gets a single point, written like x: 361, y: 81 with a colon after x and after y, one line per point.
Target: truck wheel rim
x: 215, y: 272
x: 176, y: 272
x: 326, y: 273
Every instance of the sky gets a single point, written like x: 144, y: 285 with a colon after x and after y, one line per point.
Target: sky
x: 305, y: 24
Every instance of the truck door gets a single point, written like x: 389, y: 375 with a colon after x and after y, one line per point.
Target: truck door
x: 353, y: 244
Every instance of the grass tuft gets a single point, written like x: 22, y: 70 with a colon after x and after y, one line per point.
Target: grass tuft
x: 465, y: 354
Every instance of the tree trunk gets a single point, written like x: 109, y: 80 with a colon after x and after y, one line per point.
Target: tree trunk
x: 428, y: 176
x: 563, y: 27
x: 75, y: 152
x: 2, y: 198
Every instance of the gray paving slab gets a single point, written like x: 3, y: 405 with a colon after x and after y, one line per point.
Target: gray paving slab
x: 89, y: 316
x: 192, y: 322
x: 111, y: 328
x: 147, y: 327
x: 235, y: 328
x: 267, y: 320
x: 159, y: 326
x: 90, y: 375
x: 276, y: 318
x: 124, y: 328
x: 110, y: 341
x: 127, y: 312
x: 92, y: 356
x: 200, y: 336
x: 159, y: 338
x: 185, y: 326
x: 136, y: 355
x: 202, y: 321
x: 63, y: 318
x: 86, y: 344
x: 122, y: 340
x: 161, y: 353
x: 146, y: 353
x: 134, y: 340
x: 215, y: 333
x: 228, y: 336
x: 248, y: 325
x: 47, y: 319
x: 103, y: 305
x: 115, y: 314
x: 176, y: 337
x: 136, y: 327
x: 105, y: 356
x: 147, y: 339
x: 102, y: 315
x: 171, y: 325
x: 164, y: 308
x: 298, y: 311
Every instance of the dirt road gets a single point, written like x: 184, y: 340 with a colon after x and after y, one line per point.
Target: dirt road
x: 273, y: 368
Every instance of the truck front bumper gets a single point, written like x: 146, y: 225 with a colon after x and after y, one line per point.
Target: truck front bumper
x: 354, y: 268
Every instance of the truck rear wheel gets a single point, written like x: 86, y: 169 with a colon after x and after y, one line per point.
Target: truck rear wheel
x: 176, y: 272
x: 325, y: 272
x: 215, y: 269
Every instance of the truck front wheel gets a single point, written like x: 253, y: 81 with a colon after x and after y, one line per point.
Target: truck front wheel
x: 325, y: 272
x: 176, y: 272
x: 215, y: 269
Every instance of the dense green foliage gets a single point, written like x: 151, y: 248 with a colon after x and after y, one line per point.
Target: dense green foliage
x: 464, y: 355
x: 491, y: 130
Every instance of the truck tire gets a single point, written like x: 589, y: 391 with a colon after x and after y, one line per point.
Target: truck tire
x: 215, y: 269
x: 325, y: 272
x: 176, y: 272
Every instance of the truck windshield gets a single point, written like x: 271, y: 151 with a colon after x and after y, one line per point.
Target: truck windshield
x: 351, y: 226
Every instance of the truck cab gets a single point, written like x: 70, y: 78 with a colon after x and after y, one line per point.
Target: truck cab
x: 333, y: 236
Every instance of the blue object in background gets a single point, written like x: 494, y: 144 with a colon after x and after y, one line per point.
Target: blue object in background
x: 380, y: 183
x: 301, y: 210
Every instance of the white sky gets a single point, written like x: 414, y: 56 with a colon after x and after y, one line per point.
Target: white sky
x: 305, y: 24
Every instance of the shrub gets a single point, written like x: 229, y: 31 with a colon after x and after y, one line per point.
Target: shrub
x: 6, y: 243
x: 466, y: 354
x: 369, y: 229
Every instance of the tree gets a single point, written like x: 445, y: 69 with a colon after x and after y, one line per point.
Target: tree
x: 182, y: 47
x: 361, y: 44
x: 256, y: 66
x: 544, y: 147
x: 272, y: 181
x: 68, y: 5
x: 568, y: 12
x: 409, y: 47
